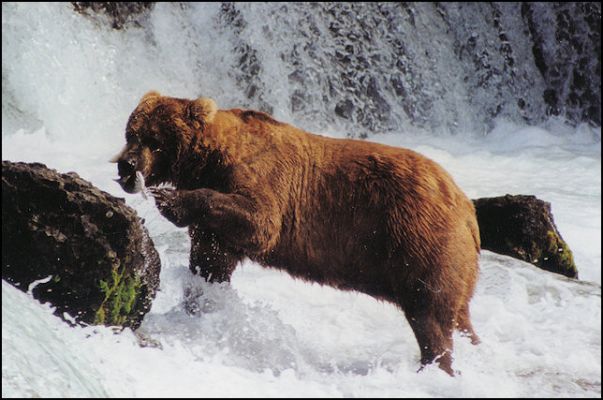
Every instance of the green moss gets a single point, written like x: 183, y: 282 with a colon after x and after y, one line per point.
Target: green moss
x: 536, y: 254
x: 552, y: 240
x: 559, y: 249
x: 99, y: 318
x: 120, y: 296
x: 131, y: 293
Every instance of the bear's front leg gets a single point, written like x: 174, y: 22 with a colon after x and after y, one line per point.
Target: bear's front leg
x: 209, y: 258
x: 237, y: 221
x: 171, y: 204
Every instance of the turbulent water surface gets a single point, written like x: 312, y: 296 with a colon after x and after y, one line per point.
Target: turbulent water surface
x: 443, y: 80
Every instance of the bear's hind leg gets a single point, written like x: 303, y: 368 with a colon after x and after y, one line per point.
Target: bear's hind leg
x: 463, y: 320
x: 434, y: 337
x: 431, y: 314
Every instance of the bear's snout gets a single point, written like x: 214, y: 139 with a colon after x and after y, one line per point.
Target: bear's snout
x: 126, y: 168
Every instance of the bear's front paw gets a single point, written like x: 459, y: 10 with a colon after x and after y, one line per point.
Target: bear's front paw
x: 169, y: 202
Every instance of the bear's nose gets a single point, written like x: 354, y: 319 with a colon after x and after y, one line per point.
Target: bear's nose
x: 126, y: 167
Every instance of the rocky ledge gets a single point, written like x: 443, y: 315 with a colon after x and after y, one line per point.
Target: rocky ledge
x: 75, y: 246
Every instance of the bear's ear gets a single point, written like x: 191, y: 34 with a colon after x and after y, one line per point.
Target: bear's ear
x: 149, y: 95
x: 204, y: 109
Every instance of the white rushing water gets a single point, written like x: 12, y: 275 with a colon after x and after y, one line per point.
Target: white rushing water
x: 68, y: 86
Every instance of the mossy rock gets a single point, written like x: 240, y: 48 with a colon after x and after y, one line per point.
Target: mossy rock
x: 523, y: 227
x: 102, y: 264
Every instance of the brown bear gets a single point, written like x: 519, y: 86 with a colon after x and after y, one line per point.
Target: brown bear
x: 351, y: 214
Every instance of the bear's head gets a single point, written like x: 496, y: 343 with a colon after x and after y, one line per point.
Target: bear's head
x: 159, y: 133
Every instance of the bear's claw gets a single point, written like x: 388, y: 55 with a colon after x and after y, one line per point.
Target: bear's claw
x: 168, y: 203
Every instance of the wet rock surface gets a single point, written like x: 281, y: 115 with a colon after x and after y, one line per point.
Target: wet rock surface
x: 523, y: 227
x: 376, y: 67
x: 570, y: 65
x: 120, y: 13
x: 87, y: 250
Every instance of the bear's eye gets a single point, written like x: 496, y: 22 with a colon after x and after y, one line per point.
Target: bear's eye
x: 152, y: 143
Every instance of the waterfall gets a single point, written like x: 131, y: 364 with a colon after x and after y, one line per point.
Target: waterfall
x: 362, y: 68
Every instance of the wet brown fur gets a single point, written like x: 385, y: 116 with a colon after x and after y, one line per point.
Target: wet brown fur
x: 351, y: 214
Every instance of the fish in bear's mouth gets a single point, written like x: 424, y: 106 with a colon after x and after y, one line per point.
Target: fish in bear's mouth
x: 133, y: 183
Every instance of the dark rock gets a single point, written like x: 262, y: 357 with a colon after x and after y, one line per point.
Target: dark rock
x: 345, y: 109
x: 101, y: 261
x: 523, y: 227
x: 120, y: 13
